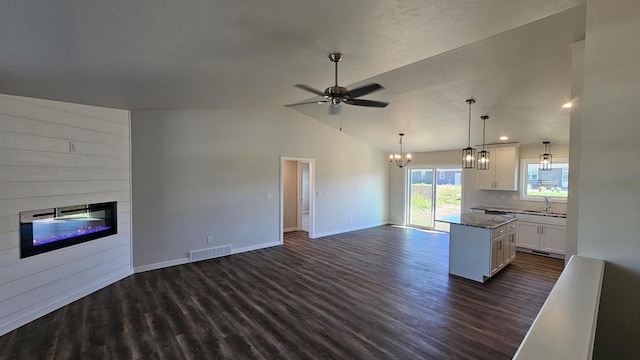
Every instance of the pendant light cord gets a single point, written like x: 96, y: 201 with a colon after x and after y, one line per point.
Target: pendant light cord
x: 484, y: 121
x: 469, y: 138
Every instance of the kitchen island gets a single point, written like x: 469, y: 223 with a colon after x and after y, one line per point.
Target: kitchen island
x: 480, y: 245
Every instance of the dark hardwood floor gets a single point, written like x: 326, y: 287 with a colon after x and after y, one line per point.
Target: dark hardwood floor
x: 380, y: 293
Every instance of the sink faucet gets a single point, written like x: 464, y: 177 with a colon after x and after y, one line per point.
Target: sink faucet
x: 547, y: 206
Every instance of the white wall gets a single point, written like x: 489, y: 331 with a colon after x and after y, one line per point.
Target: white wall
x: 609, y: 208
x: 577, y: 69
x: 199, y: 173
x: 37, y: 171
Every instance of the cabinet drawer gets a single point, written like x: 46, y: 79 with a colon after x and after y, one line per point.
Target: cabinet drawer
x: 512, y: 226
x: 499, y: 231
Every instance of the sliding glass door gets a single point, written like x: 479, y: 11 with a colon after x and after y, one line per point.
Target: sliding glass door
x: 421, y: 197
x: 433, y: 193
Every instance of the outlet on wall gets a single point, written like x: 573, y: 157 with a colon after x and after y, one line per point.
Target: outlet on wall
x: 350, y: 218
x: 209, y: 239
x: 514, y: 197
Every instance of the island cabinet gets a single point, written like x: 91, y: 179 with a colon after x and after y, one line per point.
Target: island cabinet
x: 481, y: 245
x: 503, y: 246
x: 503, y: 169
x: 542, y: 235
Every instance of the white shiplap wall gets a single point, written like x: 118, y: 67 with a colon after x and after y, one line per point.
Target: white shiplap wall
x: 38, y: 171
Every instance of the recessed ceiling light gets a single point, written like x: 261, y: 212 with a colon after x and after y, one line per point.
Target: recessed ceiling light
x: 504, y: 138
x: 567, y: 105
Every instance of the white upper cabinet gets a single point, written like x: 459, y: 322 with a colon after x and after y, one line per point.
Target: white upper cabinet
x: 503, y: 169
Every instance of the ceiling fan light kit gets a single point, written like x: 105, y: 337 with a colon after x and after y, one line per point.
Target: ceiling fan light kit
x: 336, y: 94
x: 469, y: 153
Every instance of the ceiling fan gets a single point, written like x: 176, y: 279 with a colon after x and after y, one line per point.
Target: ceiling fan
x: 336, y: 95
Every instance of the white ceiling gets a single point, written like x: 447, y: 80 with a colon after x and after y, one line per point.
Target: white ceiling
x: 513, y: 57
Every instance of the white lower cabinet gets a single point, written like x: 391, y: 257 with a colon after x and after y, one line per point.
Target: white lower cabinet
x: 541, y: 234
x: 529, y: 235
x: 497, y: 254
x: 479, y: 253
x: 503, y: 248
x: 511, y: 242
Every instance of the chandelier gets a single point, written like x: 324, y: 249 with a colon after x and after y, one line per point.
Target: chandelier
x: 400, y: 160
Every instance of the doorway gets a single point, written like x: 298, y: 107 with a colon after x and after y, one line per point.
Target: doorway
x: 303, y: 196
x: 433, y: 192
x: 297, y: 177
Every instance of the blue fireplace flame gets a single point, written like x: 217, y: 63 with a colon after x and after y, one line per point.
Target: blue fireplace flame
x: 49, y: 230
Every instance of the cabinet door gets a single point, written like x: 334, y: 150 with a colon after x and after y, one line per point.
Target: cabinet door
x: 506, y: 168
x: 497, y: 254
x: 512, y: 235
x: 485, y: 178
x: 553, y: 239
x: 495, y: 262
x: 512, y: 245
x: 528, y: 235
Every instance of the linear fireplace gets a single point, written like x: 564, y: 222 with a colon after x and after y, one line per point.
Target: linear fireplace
x: 51, y: 229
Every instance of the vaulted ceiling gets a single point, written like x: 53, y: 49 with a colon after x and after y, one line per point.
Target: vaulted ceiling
x: 513, y: 57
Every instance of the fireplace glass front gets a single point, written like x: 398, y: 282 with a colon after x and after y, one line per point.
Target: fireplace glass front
x: 50, y: 229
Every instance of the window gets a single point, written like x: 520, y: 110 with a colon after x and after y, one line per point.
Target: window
x: 538, y: 183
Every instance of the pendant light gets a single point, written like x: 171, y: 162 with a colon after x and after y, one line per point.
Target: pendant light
x: 546, y: 158
x: 483, y: 156
x: 469, y: 153
x: 396, y: 159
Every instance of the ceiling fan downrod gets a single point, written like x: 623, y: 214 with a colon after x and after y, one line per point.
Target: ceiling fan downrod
x: 336, y: 57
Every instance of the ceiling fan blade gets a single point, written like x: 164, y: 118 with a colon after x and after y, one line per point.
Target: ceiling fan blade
x: 334, y: 109
x: 309, y: 89
x: 369, y: 103
x: 364, y: 90
x: 308, y: 102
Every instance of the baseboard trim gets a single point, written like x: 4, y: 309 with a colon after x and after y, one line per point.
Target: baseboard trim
x: 290, y: 229
x: 329, y: 233
x: 529, y: 251
x: 63, y: 301
x: 183, y: 261
x: 254, y: 247
x: 160, y: 265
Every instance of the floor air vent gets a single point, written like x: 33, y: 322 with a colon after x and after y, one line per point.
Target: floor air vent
x: 209, y: 253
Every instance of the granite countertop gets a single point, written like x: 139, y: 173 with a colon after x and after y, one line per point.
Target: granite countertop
x: 520, y: 211
x: 478, y: 220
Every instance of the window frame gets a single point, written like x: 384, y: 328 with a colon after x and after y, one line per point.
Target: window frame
x: 524, y: 178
